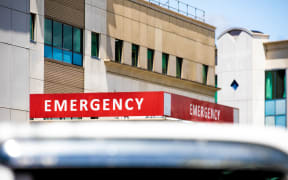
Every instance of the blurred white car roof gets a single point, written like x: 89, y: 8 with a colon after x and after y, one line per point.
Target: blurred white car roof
x: 184, y: 130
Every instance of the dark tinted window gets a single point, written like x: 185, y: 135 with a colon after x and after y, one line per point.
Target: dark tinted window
x: 135, y: 50
x: 57, y: 34
x: 150, y: 59
x: 204, y: 73
x: 94, y: 44
x: 32, y: 27
x: 48, y: 32
x: 165, y: 63
x: 67, y: 37
x: 63, y: 42
x: 179, y: 62
x: 77, y: 40
x: 118, y: 50
x: 275, y: 82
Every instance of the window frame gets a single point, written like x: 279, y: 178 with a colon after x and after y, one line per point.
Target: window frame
x: 204, y: 73
x: 97, y: 35
x: 275, y: 84
x: 134, y: 62
x: 216, y: 86
x: 166, y: 59
x: 119, y: 59
x: 270, y: 112
x: 179, y: 63
x: 32, y: 27
x: 152, y: 59
x: 74, y: 53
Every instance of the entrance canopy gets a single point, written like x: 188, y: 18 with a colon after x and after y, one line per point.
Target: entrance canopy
x: 123, y: 104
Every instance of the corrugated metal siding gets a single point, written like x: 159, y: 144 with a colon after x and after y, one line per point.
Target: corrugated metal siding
x: 67, y: 11
x: 62, y: 78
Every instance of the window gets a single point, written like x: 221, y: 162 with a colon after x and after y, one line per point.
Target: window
x: 67, y: 43
x: 150, y: 59
x: 216, y: 93
x: 63, y: 42
x: 48, y: 32
x: 275, y: 98
x: 179, y: 62
x: 32, y: 27
x: 275, y: 87
x: 204, y: 73
x: 234, y: 85
x: 95, y: 45
x: 165, y: 58
x: 118, y: 50
x: 135, y: 52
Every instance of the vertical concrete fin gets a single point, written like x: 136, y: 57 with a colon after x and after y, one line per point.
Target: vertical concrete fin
x: 167, y: 104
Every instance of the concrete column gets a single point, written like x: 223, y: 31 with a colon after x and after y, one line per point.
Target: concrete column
x: 107, y: 47
x: 172, y: 66
x: 211, y: 76
x: 94, y: 69
x: 157, y: 66
x: 142, y: 57
x: 127, y: 53
x: 192, y: 71
x: 87, y: 43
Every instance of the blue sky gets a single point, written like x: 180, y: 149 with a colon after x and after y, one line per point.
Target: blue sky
x: 267, y: 16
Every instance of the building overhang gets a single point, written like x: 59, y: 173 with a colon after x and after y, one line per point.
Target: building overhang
x: 251, y: 33
x: 160, y: 79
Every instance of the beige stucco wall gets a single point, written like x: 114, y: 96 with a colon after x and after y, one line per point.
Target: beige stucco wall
x: 276, y: 53
x: 150, y: 26
x: 276, y: 50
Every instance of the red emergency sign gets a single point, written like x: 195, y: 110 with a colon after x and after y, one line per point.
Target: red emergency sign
x: 127, y: 104
x: 96, y: 104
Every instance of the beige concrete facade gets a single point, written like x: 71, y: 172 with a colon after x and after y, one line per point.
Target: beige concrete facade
x: 150, y: 26
x: 276, y: 53
x: 159, y: 29
x: 276, y: 50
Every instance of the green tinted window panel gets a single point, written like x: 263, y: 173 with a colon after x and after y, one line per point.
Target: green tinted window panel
x: 118, y: 50
x: 67, y: 37
x: 150, y: 58
x: 135, y: 49
x: 48, y: 32
x: 216, y: 85
x: 57, y: 34
x: 77, y: 40
x: 32, y: 27
x: 280, y: 84
x: 268, y: 85
x: 275, y: 84
x: 179, y: 67
x: 164, y: 63
x: 204, y: 74
x: 94, y: 44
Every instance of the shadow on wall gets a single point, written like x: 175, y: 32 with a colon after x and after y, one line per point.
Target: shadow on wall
x: 12, y: 15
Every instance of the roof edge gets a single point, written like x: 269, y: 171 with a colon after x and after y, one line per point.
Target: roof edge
x: 252, y: 34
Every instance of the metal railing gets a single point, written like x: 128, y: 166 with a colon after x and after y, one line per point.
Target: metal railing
x: 181, y: 8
